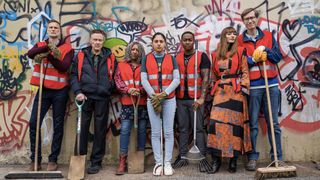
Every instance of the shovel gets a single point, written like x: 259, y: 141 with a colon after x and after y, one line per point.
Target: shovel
x: 135, y: 158
x: 78, y: 162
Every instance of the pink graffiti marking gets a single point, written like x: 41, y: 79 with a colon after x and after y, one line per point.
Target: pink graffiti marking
x: 317, y: 98
x: 14, y: 124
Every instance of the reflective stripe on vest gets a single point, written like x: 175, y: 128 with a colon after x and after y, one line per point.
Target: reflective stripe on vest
x: 268, y: 67
x: 191, y: 75
x: 256, y: 71
x: 133, y: 80
x: 129, y: 82
x: 235, y: 69
x: 166, y: 73
x: 164, y: 76
x: 110, y: 62
x: 266, y: 41
x: 191, y: 88
x: 52, y: 78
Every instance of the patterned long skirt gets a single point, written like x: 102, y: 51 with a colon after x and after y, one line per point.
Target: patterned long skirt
x: 228, y: 130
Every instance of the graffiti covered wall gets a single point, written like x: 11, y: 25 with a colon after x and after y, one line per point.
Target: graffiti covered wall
x: 294, y: 23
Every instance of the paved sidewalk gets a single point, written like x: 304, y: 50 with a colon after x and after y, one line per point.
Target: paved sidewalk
x: 306, y: 170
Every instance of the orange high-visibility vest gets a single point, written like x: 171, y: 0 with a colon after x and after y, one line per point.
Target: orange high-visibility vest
x: 52, y: 78
x: 165, y: 70
x: 235, y: 70
x: 189, y: 74
x: 133, y: 80
x: 256, y: 72
x: 110, y: 62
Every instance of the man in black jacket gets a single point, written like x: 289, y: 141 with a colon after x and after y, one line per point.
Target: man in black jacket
x: 91, y: 81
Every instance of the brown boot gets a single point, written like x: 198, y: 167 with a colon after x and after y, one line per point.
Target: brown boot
x: 122, y: 164
x: 52, y: 166
x: 31, y: 167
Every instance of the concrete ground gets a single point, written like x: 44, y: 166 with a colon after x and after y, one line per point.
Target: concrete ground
x: 305, y: 170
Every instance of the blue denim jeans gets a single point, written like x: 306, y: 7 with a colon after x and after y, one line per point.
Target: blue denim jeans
x: 166, y: 123
x: 58, y: 100
x: 258, y: 98
x: 126, y: 117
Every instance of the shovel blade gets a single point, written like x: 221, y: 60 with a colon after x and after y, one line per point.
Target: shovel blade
x: 136, y: 162
x: 77, y: 167
x: 135, y: 158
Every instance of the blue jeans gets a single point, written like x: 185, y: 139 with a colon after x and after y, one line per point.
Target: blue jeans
x: 126, y: 117
x: 58, y: 100
x: 257, y: 98
x: 168, y: 111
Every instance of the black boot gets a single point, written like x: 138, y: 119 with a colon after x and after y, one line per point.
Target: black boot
x: 216, y: 163
x: 232, y: 165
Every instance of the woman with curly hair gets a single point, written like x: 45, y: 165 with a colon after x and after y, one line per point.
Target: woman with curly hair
x: 128, y: 83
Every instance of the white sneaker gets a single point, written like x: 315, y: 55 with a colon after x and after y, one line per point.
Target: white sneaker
x: 157, y: 170
x: 168, y: 170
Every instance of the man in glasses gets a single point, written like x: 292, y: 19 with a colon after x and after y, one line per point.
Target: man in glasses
x: 261, y: 47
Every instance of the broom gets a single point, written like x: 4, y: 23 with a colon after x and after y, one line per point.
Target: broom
x: 36, y: 174
x: 280, y: 169
x: 194, y: 153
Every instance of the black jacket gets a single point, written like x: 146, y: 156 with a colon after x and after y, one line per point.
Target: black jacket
x: 95, y: 85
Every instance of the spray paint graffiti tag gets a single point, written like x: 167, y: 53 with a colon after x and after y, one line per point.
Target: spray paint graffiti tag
x: 311, y: 69
x: 132, y: 28
x: 14, y: 127
x: 8, y: 83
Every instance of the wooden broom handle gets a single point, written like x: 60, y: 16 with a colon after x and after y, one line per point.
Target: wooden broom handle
x: 270, y: 115
x: 38, y: 116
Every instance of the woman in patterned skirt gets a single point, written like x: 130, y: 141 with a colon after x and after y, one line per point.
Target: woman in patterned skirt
x: 228, y: 130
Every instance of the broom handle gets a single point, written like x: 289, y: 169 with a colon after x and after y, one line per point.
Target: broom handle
x: 270, y: 115
x: 38, y: 116
x: 195, y: 93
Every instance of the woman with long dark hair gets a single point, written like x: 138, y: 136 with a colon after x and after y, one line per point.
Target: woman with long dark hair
x: 228, y: 131
x: 160, y: 78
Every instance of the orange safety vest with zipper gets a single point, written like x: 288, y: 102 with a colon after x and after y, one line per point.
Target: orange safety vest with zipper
x: 188, y: 73
x: 235, y: 69
x: 110, y: 62
x: 52, y: 78
x: 132, y: 79
x: 165, y: 69
x: 256, y: 72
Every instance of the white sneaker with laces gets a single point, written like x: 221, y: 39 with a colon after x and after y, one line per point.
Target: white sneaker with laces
x: 157, y: 170
x: 168, y: 170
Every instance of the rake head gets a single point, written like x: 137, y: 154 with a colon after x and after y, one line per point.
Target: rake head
x: 194, y: 154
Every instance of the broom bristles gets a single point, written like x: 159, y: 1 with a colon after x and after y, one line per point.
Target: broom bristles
x: 276, y: 172
x: 34, y: 175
